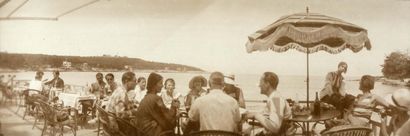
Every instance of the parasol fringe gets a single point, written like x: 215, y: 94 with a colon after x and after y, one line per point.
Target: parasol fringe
x: 314, y: 49
x: 317, y: 35
x: 353, y: 41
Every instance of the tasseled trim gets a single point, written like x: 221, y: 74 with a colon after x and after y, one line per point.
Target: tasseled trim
x: 353, y: 41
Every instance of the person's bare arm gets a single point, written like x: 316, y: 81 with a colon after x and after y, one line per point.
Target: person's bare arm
x: 241, y: 100
x: 380, y: 101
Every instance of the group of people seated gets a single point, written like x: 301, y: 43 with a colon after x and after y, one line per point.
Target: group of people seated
x: 154, y: 111
x: 359, y: 110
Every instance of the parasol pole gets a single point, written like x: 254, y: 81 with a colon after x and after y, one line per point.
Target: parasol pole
x: 307, y: 68
x: 307, y: 77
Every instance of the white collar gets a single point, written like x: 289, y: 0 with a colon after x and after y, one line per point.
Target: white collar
x: 271, y: 95
x: 215, y: 91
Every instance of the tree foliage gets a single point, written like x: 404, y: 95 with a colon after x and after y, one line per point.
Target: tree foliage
x: 35, y: 61
x: 397, y: 65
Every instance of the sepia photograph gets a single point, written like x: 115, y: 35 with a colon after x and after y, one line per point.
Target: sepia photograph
x: 205, y: 67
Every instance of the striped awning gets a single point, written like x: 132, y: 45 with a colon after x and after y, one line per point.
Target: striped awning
x: 309, y: 32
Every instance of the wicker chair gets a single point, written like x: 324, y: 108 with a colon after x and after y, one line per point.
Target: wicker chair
x: 348, y: 130
x: 214, y: 133
x: 28, y: 103
x: 51, y: 119
x: 126, y: 127
x: 104, y: 121
x: 38, y: 112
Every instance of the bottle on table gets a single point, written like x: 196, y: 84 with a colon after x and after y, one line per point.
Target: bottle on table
x: 316, y: 105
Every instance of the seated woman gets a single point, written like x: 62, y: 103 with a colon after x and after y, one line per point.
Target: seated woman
x: 195, y: 84
x: 196, y: 91
x: 364, y: 103
x: 234, y: 91
x: 153, y: 116
x: 169, y: 94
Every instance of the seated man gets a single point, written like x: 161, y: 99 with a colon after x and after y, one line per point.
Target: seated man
x: 36, y: 87
x: 119, y: 103
x: 216, y: 110
x: 56, y: 82
x: 111, y: 85
x: 400, y: 104
x: 98, y: 88
x: 276, y: 109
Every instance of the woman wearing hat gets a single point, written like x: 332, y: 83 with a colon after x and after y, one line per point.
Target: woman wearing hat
x: 234, y: 91
x: 196, y: 91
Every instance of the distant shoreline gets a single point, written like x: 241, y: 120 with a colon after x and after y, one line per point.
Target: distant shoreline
x: 390, y: 82
x: 103, y: 70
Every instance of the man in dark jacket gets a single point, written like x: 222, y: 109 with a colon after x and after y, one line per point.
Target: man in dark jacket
x: 57, y: 82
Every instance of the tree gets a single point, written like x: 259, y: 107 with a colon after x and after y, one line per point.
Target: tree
x: 397, y: 65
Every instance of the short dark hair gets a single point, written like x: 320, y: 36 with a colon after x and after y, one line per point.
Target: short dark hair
x: 168, y: 80
x: 140, y: 79
x: 271, y: 78
x: 342, y: 63
x: 99, y: 73
x: 127, y: 76
x: 109, y: 74
x: 57, y: 72
x: 367, y: 82
x: 40, y: 73
x: 153, y: 80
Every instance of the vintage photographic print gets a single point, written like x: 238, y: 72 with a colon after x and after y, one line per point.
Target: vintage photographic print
x: 205, y: 67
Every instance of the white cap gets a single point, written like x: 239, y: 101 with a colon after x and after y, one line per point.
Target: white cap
x: 399, y: 98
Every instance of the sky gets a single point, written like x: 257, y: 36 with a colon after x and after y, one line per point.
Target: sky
x: 208, y: 34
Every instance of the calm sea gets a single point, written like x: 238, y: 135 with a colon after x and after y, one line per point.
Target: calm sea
x: 293, y: 87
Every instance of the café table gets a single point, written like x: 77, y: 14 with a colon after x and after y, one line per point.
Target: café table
x: 304, y: 120
x: 77, y: 101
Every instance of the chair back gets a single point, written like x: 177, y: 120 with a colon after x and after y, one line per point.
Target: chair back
x: 348, y: 130
x: 48, y: 111
x: 126, y: 127
x: 104, y: 119
x: 214, y: 133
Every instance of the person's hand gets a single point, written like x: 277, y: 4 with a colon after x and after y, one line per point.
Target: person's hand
x: 250, y: 115
x: 175, y: 103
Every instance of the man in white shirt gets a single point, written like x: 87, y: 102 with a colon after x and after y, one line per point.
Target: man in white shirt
x: 36, y: 85
x: 399, y: 124
x: 217, y: 110
x: 276, y: 109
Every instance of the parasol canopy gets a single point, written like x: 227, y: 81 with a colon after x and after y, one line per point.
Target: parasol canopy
x: 309, y: 32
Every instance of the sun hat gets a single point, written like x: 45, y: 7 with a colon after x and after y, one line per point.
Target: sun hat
x: 197, y: 79
x: 400, y: 99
